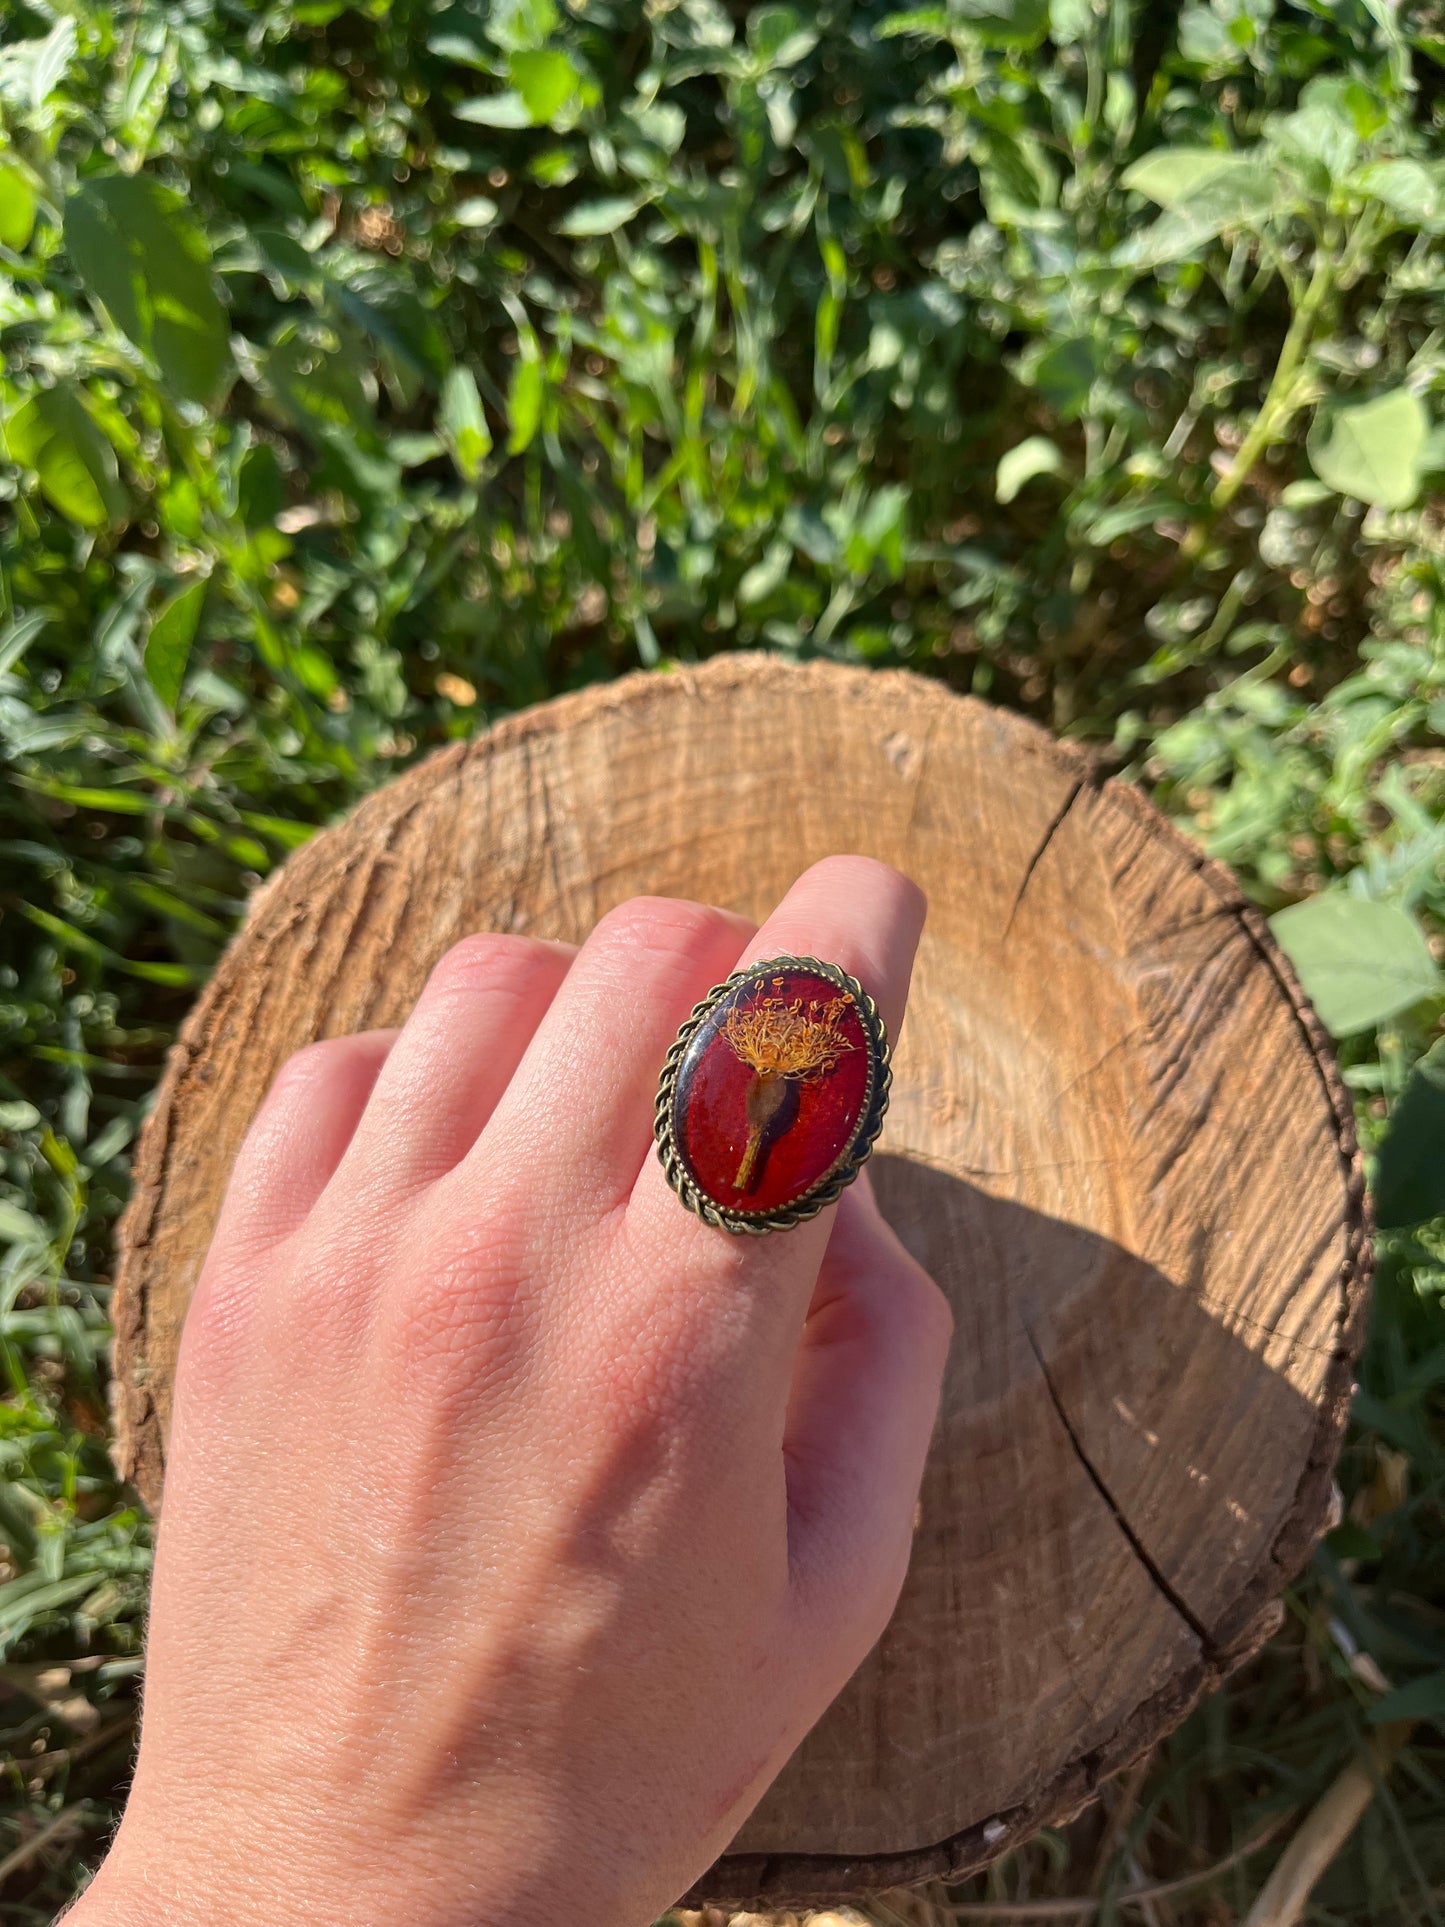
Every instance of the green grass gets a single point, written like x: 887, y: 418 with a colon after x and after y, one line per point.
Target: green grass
x: 464, y: 354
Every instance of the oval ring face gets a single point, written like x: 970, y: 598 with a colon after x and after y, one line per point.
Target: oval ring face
x: 773, y: 1093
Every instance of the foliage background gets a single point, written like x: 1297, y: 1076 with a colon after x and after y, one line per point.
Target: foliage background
x: 370, y: 370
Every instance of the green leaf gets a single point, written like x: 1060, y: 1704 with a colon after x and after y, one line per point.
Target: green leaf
x: 1334, y: 115
x: 1373, y: 449
x: 18, y: 636
x: 1204, y: 37
x: 142, y: 257
x: 598, y: 217
x: 495, y: 110
x: 464, y: 50
x: 462, y: 423
x: 1062, y: 371
x: 19, y: 1226
x: 546, y: 81
x: 54, y: 434
x: 1410, y: 1176
x: 1360, y: 961
x: 168, y: 646
x: 478, y: 210
x: 1004, y: 23
x: 1235, y: 197
x: 17, y: 208
x: 50, y: 58
x: 781, y: 36
x: 1414, y: 191
x: 316, y: 386
x: 286, y: 257
x: 1422, y: 1699
x: 1034, y: 456
x: 1351, y: 1541
x: 1175, y: 175
x: 930, y: 22
x: 524, y: 402
x: 521, y: 23
x: 759, y: 582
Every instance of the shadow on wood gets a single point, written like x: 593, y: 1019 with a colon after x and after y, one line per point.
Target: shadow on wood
x: 1091, y: 1539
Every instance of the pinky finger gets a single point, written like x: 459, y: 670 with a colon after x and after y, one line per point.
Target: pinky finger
x: 298, y: 1136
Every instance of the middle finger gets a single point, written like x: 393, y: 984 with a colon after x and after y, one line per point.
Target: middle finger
x: 579, y: 1109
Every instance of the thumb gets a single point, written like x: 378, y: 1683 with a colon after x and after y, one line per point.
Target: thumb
x: 862, y: 1406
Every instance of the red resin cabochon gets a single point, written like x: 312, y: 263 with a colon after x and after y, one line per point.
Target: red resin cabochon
x: 818, y: 1119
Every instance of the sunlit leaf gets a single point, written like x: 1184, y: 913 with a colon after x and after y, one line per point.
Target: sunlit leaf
x: 478, y: 210
x: 546, y: 81
x: 54, y: 434
x: 168, y: 646
x: 50, y: 58
x: 1004, y: 23
x: 1414, y: 191
x: 1034, y: 456
x: 1235, y: 197
x: 781, y: 36
x: 525, y: 393
x: 1360, y: 961
x: 462, y: 423
x: 496, y: 110
x: 598, y: 217
x: 1175, y: 175
x: 17, y: 207
x: 1372, y: 449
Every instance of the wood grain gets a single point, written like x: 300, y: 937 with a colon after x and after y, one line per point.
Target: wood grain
x: 1117, y: 1138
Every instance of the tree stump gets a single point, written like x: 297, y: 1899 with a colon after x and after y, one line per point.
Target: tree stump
x: 1117, y: 1138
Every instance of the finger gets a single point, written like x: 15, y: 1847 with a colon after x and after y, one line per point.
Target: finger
x: 299, y: 1136
x: 862, y: 1406
x: 866, y: 917
x: 581, y: 1101
x: 454, y: 1057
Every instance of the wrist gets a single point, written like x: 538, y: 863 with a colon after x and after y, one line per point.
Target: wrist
x: 155, y: 1886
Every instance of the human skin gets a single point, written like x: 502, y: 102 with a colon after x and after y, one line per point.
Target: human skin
x: 517, y: 1524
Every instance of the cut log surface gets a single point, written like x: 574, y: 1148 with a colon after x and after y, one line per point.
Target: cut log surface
x: 1117, y: 1138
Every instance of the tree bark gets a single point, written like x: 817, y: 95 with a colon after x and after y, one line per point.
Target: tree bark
x: 1117, y: 1138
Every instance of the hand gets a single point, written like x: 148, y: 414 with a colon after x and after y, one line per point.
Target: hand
x: 517, y: 1524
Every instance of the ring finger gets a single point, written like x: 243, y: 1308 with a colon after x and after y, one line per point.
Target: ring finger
x: 865, y: 917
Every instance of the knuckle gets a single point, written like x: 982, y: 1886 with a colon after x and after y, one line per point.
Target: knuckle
x: 483, y: 960
x: 652, y: 1364
x: 309, y: 1065
x: 218, y: 1331
x: 455, y: 1326
x: 663, y: 925
x: 324, y: 1298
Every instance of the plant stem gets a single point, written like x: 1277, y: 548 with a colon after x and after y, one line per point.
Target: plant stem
x: 1279, y: 400
x: 765, y: 1094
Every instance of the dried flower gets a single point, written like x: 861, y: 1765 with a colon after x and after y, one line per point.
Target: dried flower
x: 780, y: 1041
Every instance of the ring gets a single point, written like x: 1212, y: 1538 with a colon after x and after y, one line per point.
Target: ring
x: 772, y: 1094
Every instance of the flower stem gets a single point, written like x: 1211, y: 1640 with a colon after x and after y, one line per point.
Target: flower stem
x: 765, y: 1094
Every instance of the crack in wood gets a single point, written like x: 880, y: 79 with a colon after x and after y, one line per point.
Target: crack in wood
x: 1137, y: 1546
x: 1056, y: 823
